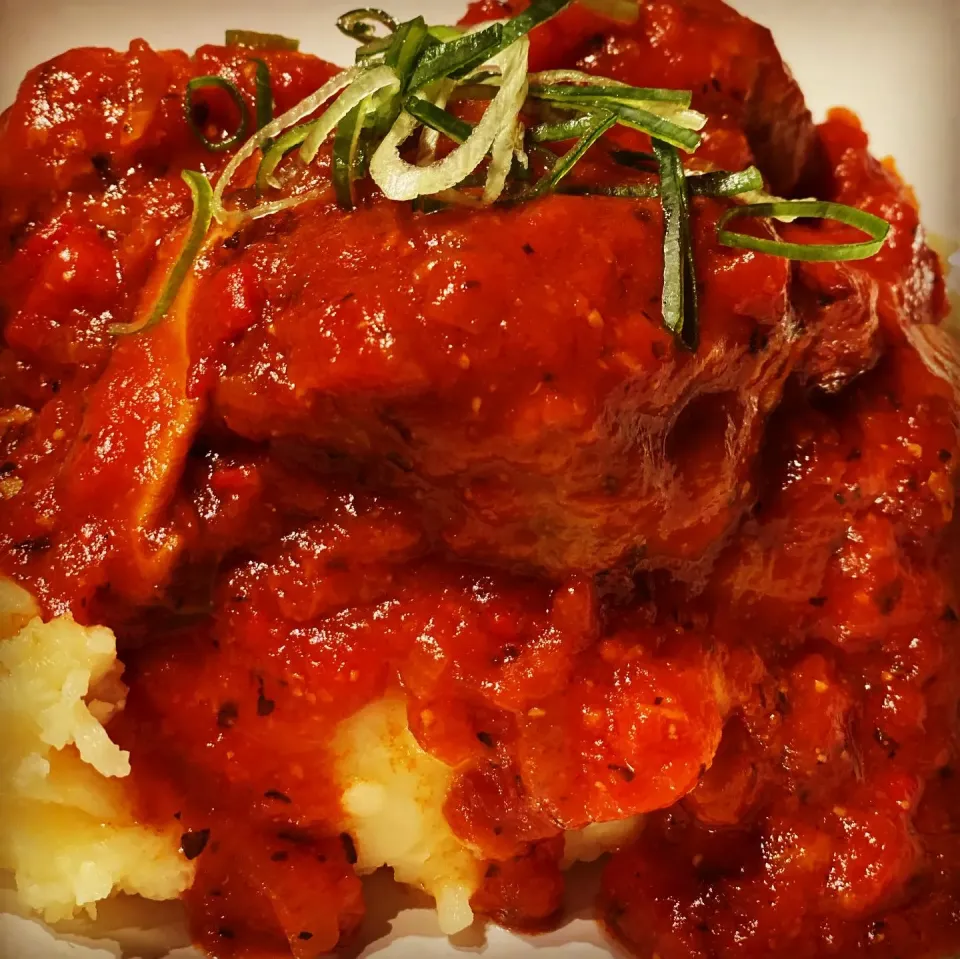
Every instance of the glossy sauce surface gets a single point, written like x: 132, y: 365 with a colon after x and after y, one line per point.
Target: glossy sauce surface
x: 456, y: 454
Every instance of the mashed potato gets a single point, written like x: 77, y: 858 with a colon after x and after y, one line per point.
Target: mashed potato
x: 66, y: 830
x: 393, y: 794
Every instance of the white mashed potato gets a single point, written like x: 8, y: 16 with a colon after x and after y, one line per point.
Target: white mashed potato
x: 393, y: 795
x: 66, y: 830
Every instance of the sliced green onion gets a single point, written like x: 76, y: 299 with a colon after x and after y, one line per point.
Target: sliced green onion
x: 565, y: 130
x: 276, y: 150
x: 264, y: 93
x: 458, y: 57
x: 368, y: 83
x: 345, y: 168
x: 538, y: 12
x: 276, y: 126
x: 725, y: 183
x: 403, y: 55
x: 438, y: 119
x: 601, y: 123
x: 715, y: 184
x: 548, y: 77
x: 401, y: 180
x: 679, y: 299
x: 656, y: 126
x: 430, y: 138
x: 374, y: 52
x: 202, y: 196
x: 506, y: 149
x: 253, y: 40
x: 607, y: 92
x: 445, y: 34
x: 629, y: 191
x: 360, y: 24
x: 219, y: 83
x: 874, y: 226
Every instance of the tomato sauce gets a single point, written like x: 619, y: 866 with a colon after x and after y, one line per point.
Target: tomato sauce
x: 457, y: 455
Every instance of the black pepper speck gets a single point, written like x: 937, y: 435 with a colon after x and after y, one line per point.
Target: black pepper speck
x: 349, y: 849
x: 193, y: 843
x: 227, y: 715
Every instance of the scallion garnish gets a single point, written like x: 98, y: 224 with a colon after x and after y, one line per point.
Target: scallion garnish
x: 404, y: 53
x: 401, y: 57
x: 565, y: 130
x: 656, y: 126
x: 346, y: 154
x: 438, y: 119
x: 618, y: 93
x: 679, y: 299
x: 626, y: 191
x: 458, y: 57
x: 495, y: 133
x: 875, y: 227
x: 369, y: 83
x: 218, y: 83
x: 275, y: 151
x: 403, y: 81
x: 538, y: 12
x: 601, y: 123
x: 725, y: 183
x: 719, y: 183
x: 264, y: 93
x: 253, y: 40
x: 445, y: 33
x: 372, y: 53
x: 360, y: 24
x: 202, y: 196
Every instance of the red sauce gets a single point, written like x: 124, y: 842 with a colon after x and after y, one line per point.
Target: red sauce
x: 457, y: 455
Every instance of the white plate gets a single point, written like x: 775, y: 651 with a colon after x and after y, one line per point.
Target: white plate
x: 893, y: 61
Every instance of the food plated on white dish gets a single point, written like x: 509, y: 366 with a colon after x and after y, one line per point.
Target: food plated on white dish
x: 532, y: 443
